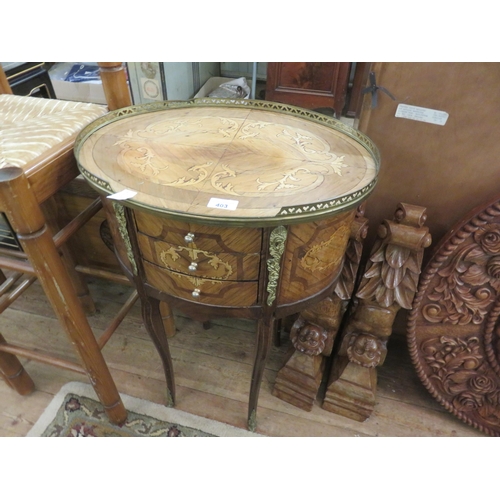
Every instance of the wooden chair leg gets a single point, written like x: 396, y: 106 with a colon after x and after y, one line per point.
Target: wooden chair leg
x: 82, y: 291
x: 19, y: 204
x: 14, y: 373
x: 157, y: 329
x: 265, y: 334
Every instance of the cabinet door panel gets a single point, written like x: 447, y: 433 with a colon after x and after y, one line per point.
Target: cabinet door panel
x: 310, y: 85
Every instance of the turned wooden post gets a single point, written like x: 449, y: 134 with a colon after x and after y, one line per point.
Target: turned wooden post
x: 114, y: 82
x: 50, y: 210
x: 18, y: 202
x: 4, y: 83
x: 14, y: 373
x: 388, y: 284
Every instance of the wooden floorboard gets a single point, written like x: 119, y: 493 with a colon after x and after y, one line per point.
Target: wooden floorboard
x: 212, y: 369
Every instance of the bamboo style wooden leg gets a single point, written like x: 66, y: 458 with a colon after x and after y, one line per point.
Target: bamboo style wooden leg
x: 14, y: 373
x: 265, y: 333
x: 157, y: 329
x: 82, y: 290
x: 20, y: 206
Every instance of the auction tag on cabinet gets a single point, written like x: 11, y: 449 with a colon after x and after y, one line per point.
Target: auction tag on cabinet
x: 421, y: 114
x: 222, y: 204
x: 122, y: 195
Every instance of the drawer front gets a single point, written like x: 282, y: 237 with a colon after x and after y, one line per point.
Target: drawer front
x: 219, y: 266
x: 210, y: 292
x: 208, y: 238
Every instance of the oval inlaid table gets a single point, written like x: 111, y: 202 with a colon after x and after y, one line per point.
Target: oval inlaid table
x: 228, y: 208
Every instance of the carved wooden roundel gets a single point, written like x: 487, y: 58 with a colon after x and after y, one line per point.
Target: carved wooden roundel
x: 454, y: 325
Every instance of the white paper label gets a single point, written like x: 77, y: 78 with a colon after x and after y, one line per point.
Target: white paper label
x: 222, y: 204
x: 421, y: 114
x: 123, y: 195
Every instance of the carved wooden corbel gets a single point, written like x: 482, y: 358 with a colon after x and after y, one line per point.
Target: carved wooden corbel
x: 314, y: 332
x: 389, y: 283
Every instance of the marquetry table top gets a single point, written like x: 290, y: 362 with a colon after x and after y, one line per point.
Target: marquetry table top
x: 227, y: 161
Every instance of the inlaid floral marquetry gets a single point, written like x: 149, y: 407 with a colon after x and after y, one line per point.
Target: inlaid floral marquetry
x: 256, y: 163
x: 234, y: 208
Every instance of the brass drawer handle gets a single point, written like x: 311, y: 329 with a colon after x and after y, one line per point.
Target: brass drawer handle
x: 189, y: 238
x: 193, y: 266
x: 196, y: 293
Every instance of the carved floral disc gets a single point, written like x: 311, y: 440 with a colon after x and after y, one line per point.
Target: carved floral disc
x: 454, y: 325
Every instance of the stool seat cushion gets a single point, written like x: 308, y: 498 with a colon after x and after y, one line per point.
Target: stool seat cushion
x: 30, y: 126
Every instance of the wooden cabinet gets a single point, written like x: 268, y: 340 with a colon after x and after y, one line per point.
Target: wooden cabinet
x: 29, y: 79
x: 212, y: 265
x: 236, y: 209
x: 310, y: 85
x: 223, y: 266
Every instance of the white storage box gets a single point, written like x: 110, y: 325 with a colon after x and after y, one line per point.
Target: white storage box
x: 213, y: 83
x: 90, y: 91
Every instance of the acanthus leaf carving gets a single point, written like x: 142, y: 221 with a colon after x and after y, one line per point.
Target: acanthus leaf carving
x: 347, y: 279
x: 458, y: 294
x: 394, y: 265
x: 468, y: 285
x: 459, y: 368
x: 352, y: 258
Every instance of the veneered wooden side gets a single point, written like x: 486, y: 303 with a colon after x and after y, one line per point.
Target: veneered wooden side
x: 313, y: 256
x: 92, y: 244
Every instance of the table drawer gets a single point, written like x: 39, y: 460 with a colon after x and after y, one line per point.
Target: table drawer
x: 179, y: 258
x: 213, y: 292
x: 208, y: 238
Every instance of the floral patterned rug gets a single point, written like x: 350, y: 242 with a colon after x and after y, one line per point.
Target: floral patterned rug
x: 76, y: 412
